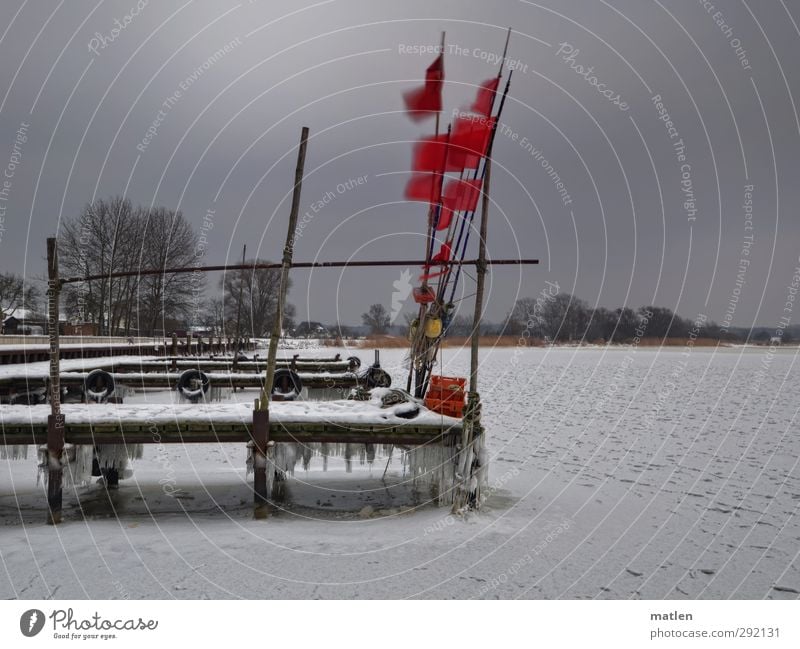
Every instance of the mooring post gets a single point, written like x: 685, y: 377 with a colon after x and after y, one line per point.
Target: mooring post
x: 261, y: 410
x: 239, y: 312
x: 174, y: 351
x: 260, y: 442
x: 55, y: 421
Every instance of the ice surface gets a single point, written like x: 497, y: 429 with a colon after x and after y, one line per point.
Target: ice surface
x: 613, y: 474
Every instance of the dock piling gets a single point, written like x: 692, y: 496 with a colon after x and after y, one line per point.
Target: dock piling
x: 260, y: 441
x: 55, y: 421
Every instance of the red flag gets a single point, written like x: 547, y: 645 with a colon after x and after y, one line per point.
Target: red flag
x: 468, y: 142
x: 427, y: 100
x: 462, y: 195
x: 432, y: 154
x: 424, y: 187
x: 439, y: 154
x: 445, y: 216
x: 485, y: 98
x: 442, y: 255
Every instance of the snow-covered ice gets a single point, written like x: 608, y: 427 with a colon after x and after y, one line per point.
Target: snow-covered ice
x: 614, y: 474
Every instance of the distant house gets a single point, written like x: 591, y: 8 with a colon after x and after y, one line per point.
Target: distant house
x: 81, y: 329
x: 24, y: 322
x: 311, y: 329
x: 775, y: 340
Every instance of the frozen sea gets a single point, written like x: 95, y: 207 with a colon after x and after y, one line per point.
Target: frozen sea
x: 615, y: 473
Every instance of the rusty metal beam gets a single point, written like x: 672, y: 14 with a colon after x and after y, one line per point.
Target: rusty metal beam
x: 300, y: 264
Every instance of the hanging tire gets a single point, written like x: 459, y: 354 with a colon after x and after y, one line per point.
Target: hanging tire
x: 287, y: 384
x: 354, y: 362
x: 193, y: 385
x: 376, y: 377
x: 98, y: 386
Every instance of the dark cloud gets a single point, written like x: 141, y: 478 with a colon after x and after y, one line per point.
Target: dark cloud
x: 224, y: 89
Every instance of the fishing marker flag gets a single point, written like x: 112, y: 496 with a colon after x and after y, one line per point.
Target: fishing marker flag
x: 426, y: 187
x: 445, y: 216
x: 462, y: 195
x: 485, y: 98
x: 431, y: 154
x: 459, y: 151
x: 443, y: 254
x: 427, y: 100
x: 469, y: 141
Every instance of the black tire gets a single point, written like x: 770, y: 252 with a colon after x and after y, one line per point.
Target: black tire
x: 376, y: 377
x: 354, y: 362
x: 98, y: 386
x: 193, y: 385
x: 287, y: 384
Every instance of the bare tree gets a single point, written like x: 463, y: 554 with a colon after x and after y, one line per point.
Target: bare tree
x: 15, y: 293
x: 213, y: 316
x: 113, y: 236
x: 460, y: 325
x: 377, y: 319
x: 259, y: 290
x: 168, y: 241
x: 102, y: 239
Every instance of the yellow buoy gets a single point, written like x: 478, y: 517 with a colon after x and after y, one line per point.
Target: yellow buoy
x: 433, y: 327
x: 412, y: 330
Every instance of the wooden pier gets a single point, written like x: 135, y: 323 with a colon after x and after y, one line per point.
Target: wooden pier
x: 34, y: 350
x: 332, y: 422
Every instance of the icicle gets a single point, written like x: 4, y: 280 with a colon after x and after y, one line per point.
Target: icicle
x: 219, y: 393
x: 41, y: 467
x: 77, y: 461
x: 308, y: 453
x: 434, y: 467
x: 324, y: 452
x: 118, y: 456
x: 14, y: 452
x: 348, y: 458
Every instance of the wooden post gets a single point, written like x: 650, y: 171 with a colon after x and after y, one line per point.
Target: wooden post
x: 239, y: 312
x: 174, y: 353
x: 480, y: 271
x: 55, y: 421
x: 261, y: 410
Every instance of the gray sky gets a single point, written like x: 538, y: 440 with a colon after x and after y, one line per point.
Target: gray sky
x: 84, y: 97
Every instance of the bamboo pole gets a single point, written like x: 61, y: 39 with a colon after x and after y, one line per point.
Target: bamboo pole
x: 472, y: 426
x: 480, y: 270
x: 261, y: 410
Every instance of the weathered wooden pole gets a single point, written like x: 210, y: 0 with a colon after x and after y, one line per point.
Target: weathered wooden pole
x: 261, y: 410
x: 480, y: 272
x: 239, y: 311
x: 55, y: 420
x: 471, y: 423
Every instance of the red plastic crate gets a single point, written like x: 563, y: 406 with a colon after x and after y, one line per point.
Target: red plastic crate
x: 446, y: 395
x: 449, y: 408
x: 447, y: 383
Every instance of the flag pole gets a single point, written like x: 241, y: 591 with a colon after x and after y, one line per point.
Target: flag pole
x: 475, y: 175
x: 423, y: 308
x: 471, y: 429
